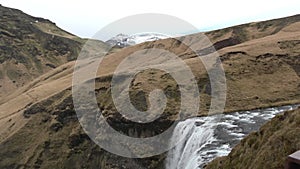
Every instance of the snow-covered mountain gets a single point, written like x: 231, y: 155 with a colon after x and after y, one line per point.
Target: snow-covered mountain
x: 123, y: 40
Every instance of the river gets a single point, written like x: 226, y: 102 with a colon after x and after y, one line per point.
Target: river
x: 202, y: 139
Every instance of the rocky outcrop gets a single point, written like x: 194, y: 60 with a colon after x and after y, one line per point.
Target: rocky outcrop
x: 53, y: 138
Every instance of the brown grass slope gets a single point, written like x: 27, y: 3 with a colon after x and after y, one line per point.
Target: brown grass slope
x: 238, y: 34
x: 261, y: 72
x: 267, y: 148
x: 31, y: 46
x: 53, y: 138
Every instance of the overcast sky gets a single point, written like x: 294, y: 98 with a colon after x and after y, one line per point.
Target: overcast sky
x: 85, y: 17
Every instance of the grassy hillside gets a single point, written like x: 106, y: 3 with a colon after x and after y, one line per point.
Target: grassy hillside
x: 238, y: 34
x: 30, y: 47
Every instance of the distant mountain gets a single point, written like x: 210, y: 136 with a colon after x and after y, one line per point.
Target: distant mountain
x: 122, y: 40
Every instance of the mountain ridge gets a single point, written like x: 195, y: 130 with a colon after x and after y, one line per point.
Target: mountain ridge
x: 31, y: 46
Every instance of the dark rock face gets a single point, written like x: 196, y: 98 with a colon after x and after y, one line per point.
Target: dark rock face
x: 76, y: 139
x: 60, y: 142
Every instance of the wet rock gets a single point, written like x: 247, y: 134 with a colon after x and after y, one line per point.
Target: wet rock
x: 55, y: 126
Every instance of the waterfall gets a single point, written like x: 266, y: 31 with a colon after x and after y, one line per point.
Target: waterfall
x: 190, y: 136
x: 201, y: 139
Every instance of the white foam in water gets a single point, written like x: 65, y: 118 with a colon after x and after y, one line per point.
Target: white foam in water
x: 205, y: 138
x: 228, y: 124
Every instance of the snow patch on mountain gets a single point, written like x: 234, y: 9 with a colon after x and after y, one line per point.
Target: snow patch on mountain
x: 123, y: 40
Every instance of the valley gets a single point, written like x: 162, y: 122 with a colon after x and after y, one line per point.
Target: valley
x: 39, y: 127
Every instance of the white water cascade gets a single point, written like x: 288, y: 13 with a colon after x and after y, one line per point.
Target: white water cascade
x: 195, y: 134
x: 199, y: 140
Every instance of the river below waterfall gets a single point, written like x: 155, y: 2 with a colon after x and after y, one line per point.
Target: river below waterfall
x: 199, y: 140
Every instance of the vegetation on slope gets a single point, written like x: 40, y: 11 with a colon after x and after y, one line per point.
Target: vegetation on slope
x: 31, y: 46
